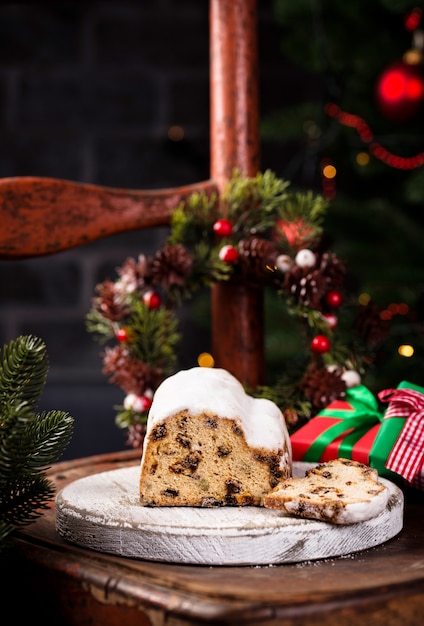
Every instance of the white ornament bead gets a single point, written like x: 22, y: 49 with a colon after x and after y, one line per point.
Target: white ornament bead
x: 351, y: 378
x: 283, y: 262
x: 129, y: 401
x: 331, y: 320
x: 139, y: 404
x: 305, y: 258
x: 228, y: 254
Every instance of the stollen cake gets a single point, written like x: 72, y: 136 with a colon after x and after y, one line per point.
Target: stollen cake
x: 209, y: 444
x: 339, y: 491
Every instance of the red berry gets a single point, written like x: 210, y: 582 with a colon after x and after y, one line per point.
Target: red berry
x: 152, y: 299
x: 320, y: 344
x: 229, y: 254
x: 334, y: 299
x: 122, y: 334
x: 223, y: 227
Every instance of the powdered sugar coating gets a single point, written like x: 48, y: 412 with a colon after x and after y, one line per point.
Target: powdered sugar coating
x: 217, y: 392
x: 351, y: 513
x: 342, y: 491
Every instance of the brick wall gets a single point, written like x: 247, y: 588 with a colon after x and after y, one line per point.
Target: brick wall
x: 88, y: 92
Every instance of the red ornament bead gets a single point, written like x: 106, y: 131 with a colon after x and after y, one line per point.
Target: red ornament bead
x: 334, y: 299
x: 223, y: 228
x: 122, y: 335
x: 400, y: 90
x: 152, y: 299
x: 229, y: 254
x: 142, y: 403
x: 320, y: 344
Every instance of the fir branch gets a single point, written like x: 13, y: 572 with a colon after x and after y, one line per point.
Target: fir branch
x: 50, y: 433
x: 252, y: 203
x: 306, y: 208
x: 208, y: 268
x: 192, y: 222
x: 287, y: 396
x: 310, y: 317
x: 23, y: 371
x: 100, y: 326
x: 154, y: 335
x: 126, y: 417
x: 23, y: 499
x: 29, y: 442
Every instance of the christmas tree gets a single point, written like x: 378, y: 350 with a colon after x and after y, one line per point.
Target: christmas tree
x: 359, y: 141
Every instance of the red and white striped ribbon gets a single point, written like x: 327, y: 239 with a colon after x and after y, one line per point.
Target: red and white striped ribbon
x: 407, y: 455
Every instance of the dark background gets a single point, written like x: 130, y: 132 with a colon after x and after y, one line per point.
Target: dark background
x: 88, y: 92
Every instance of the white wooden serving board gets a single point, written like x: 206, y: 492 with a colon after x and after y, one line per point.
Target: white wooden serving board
x: 103, y: 513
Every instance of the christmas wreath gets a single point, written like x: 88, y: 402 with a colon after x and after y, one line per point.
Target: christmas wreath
x: 261, y: 232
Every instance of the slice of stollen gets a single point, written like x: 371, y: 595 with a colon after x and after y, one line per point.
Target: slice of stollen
x: 339, y: 491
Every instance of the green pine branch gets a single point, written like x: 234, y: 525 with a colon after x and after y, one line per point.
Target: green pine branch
x: 29, y: 442
x: 252, y: 202
x: 192, y: 221
x: 155, y: 333
x: 100, y: 326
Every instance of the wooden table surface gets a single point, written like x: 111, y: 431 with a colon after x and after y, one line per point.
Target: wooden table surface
x: 64, y: 584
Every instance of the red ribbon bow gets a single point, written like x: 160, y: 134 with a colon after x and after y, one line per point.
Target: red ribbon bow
x: 407, y: 455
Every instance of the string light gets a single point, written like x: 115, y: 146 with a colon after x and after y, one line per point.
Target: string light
x: 412, y: 20
x: 205, y: 360
x: 328, y: 172
x: 362, y: 158
x: 406, y: 350
x: 364, y: 298
x: 175, y: 133
x: 366, y: 135
x: 394, y: 308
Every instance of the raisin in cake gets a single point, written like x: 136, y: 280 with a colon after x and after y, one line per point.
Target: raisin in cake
x: 209, y: 444
x: 339, y: 491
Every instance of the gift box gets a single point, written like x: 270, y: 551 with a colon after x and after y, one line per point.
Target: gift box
x: 345, y: 428
x: 358, y: 428
x: 399, y: 444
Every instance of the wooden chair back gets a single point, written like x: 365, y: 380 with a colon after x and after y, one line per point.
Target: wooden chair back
x: 41, y: 216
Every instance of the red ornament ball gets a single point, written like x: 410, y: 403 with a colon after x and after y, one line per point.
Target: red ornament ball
x: 223, y: 228
x: 122, y: 335
x: 400, y: 91
x: 228, y: 254
x: 333, y: 299
x: 320, y: 344
x: 152, y: 299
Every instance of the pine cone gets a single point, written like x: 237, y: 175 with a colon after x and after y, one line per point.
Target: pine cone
x: 369, y: 325
x: 333, y: 271
x: 257, y: 258
x: 110, y: 302
x: 307, y: 286
x: 134, y: 275
x: 128, y: 373
x: 171, y: 266
x: 136, y: 434
x: 322, y: 386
